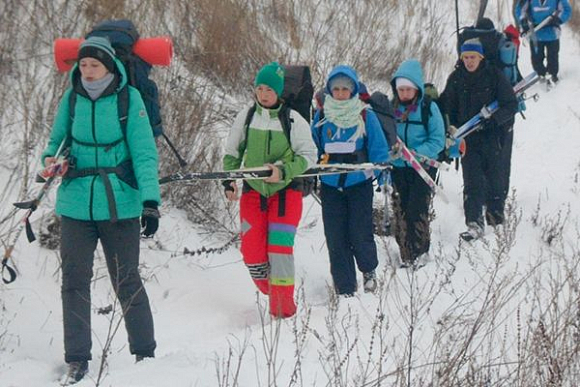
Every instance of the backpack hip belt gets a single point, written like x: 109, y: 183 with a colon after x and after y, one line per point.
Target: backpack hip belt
x: 123, y: 171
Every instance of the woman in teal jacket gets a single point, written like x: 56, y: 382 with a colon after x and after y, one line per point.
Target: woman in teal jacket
x: 412, y: 196
x: 111, y: 181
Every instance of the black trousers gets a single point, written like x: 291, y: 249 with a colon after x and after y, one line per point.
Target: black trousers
x: 120, y: 243
x: 348, y: 227
x: 411, y: 204
x: 486, y: 170
x: 539, y: 52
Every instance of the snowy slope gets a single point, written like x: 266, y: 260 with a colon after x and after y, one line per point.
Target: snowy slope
x: 205, y: 306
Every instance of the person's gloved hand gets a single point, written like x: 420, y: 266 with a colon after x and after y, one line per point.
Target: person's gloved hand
x: 396, y: 152
x: 452, y: 129
x: 525, y: 26
x: 555, y: 21
x: 150, y: 218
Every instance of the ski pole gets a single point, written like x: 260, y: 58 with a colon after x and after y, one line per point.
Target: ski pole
x: 30, y: 206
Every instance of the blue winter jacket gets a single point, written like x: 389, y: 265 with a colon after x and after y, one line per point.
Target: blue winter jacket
x: 541, y: 9
x: 374, y: 140
x: 424, y: 141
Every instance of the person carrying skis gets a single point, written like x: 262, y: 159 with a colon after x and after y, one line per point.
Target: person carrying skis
x: 270, y: 209
x: 545, y: 43
x: 346, y: 132
x: 98, y: 202
x: 412, y: 196
x: 470, y: 88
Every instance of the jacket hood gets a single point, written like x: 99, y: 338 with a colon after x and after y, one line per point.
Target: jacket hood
x: 410, y: 69
x: 343, y: 70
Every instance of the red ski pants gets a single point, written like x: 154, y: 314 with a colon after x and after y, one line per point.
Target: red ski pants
x: 268, y: 245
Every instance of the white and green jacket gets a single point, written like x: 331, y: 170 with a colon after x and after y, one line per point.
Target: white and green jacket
x: 267, y: 143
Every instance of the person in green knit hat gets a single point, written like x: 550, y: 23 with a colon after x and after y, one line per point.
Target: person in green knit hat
x: 270, y: 209
x: 97, y: 200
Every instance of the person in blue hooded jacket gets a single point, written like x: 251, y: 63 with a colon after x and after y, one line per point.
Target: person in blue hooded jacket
x: 345, y: 131
x: 546, y: 43
x: 411, y: 195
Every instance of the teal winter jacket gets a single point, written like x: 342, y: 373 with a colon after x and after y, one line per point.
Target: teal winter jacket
x: 96, y: 123
x: 425, y: 141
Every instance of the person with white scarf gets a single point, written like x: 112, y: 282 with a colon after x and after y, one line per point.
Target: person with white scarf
x: 346, y: 131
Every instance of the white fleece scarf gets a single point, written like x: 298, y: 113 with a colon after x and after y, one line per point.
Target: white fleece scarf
x: 345, y: 114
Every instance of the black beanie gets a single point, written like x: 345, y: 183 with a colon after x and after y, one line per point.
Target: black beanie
x: 485, y: 24
x: 100, y: 49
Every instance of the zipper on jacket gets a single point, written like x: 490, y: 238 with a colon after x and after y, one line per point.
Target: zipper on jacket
x: 93, y: 130
x: 269, y: 141
x: 91, y: 197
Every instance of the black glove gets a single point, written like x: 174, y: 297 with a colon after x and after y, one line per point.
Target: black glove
x: 556, y: 21
x: 488, y: 124
x: 150, y: 218
x: 525, y: 26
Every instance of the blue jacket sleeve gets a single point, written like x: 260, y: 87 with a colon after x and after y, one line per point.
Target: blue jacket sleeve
x: 435, y: 141
x: 377, y: 147
x: 316, y: 134
x: 566, y: 11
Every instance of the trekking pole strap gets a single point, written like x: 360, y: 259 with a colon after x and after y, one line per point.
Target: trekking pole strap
x: 11, y: 272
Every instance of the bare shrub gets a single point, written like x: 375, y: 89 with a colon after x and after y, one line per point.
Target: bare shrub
x: 229, y: 44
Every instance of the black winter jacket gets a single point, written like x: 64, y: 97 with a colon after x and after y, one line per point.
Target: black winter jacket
x: 466, y: 93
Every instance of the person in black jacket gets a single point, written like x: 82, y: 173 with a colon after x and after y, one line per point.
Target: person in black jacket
x: 486, y: 165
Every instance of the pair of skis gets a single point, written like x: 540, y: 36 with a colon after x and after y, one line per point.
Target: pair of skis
x: 476, y: 121
x: 264, y: 172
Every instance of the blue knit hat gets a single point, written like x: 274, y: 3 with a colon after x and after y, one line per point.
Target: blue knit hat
x: 99, y: 48
x: 472, y: 46
x: 271, y: 75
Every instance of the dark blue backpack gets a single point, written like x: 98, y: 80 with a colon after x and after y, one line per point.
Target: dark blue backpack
x: 123, y: 35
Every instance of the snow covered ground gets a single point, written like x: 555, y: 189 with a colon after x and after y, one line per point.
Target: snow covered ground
x: 205, y: 306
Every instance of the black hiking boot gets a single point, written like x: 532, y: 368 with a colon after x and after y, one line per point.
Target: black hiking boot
x: 474, y: 231
x: 76, y: 372
x: 370, y: 282
x: 141, y: 357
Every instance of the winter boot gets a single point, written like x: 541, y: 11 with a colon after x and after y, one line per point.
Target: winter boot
x: 370, y: 282
x: 282, y: 303
x: 474, y: 231
x: 76, y: 372
x: 141, y: 357
x: 555, y: 79
x: 421, y: 261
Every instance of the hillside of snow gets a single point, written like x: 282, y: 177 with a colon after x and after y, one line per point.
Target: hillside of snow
x: 498, y: 310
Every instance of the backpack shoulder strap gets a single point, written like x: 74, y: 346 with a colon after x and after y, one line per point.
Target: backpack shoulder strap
x: 247, y: 122
x: 72, y: 102
x: 286, y: 121
x: 426, y: 111
x: 123, y: 108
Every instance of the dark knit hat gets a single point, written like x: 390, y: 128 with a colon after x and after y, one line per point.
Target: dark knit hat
x: 472, y: 46
x: 485, y: 24
x: 100, y: 49
x: 271, y: 75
